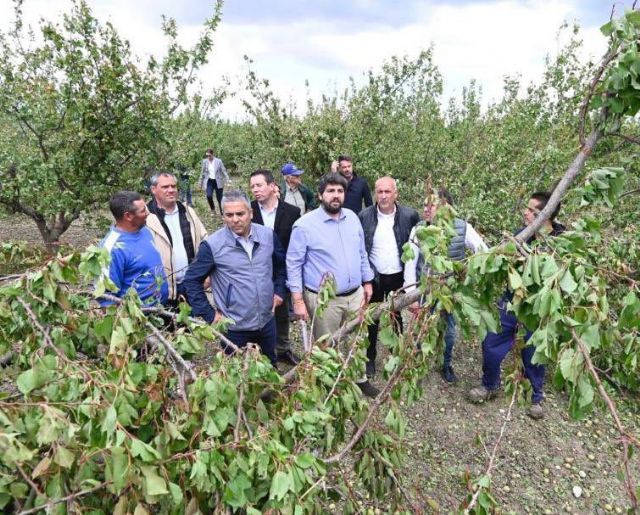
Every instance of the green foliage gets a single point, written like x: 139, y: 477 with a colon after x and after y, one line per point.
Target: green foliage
x: 97, y: 408
x: 80, y: 118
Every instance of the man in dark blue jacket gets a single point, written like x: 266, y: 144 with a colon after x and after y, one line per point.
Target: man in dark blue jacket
x: 496, y: 345
x: 246, y: 264
x: 357, y: 188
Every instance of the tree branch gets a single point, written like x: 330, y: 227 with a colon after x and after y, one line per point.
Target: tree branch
x: 50, y: 504
x: 624, y: 434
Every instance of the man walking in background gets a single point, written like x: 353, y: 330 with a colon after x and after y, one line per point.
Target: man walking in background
x: 246, y: 264
x: 329, y: 242
x: 177, y: 232
x: 466, y: 238
x: 280, y: 217
x: 135, y: 261
x: 296, y: 193
x: 213, y: 178
x: 386, y: 226
x: 357, y: 190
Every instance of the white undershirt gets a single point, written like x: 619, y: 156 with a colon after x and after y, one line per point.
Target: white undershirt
x: 384, y: 251
x: 180, y: 259
x: 268, y: 217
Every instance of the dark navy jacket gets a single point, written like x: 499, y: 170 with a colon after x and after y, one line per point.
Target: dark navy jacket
x: 357, y: 191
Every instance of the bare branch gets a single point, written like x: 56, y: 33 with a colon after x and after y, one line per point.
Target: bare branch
x: 569, y: 177
x: 50, y: 504
x: 624, y: 434
x: 492, y: 458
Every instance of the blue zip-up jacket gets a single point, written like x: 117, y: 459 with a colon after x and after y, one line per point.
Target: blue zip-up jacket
x: 243, y: 288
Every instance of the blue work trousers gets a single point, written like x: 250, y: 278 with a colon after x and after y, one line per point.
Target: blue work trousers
x: 265, y: 338
x: 496, y: 346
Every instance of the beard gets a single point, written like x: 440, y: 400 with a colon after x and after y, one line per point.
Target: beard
x: 332, y: 210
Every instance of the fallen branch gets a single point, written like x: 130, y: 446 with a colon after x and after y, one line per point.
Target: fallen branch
x: 172, y: 352
x: 624, y: 434
x: 50, y: 504
x: 240, y: 412
x: 492, y: 458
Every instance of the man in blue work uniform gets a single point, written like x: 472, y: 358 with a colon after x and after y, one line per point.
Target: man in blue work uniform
x: 496, y: 345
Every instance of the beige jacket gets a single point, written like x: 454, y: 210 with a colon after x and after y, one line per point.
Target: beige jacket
x: 163, y: 244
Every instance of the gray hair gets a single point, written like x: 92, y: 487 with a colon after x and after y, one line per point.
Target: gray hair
x: 235, y: 196
x: 157, y: 175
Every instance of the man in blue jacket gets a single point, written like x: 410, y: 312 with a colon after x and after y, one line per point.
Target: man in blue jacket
x: 135, y: 260
x: 246, y: 264
x: 497, y: 345
x: 357, y: 190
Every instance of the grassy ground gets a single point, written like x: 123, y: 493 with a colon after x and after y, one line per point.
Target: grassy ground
x: 538, y: 463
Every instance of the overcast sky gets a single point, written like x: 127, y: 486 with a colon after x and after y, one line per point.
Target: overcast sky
x: 327, y: 41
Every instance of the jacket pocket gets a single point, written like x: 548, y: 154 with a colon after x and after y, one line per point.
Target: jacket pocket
x: 229, y: 297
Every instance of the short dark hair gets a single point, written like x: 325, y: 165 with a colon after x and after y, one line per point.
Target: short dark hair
x: 542, y: 197
x: 333, y: 178
x: 344, y: 157
x: 122, y: 202
x: 444, y: 194
x: 267, y: 174
x: 209, y: 151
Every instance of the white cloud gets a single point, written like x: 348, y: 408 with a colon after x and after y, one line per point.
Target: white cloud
x: 482, y: 40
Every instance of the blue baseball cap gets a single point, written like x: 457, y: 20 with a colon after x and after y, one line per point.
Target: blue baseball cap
x: 290, y: 169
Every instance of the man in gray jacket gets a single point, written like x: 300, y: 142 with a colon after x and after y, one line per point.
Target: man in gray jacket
x: 246, y: 264
x: 213, y: 178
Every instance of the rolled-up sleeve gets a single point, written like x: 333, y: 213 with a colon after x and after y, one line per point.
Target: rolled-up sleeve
x: 296, y: 255
x: 198, y: 271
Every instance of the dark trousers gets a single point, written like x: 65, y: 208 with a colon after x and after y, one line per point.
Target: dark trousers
x: 212, y: 186
x: 381, y: 288
x: 264, y: 337
x: 282, y: 326
x: 496, y: 346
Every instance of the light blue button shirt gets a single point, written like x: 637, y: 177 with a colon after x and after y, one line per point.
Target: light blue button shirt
x: 321, y: 244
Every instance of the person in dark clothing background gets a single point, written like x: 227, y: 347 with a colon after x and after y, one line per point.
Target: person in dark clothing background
x: 357, y: 188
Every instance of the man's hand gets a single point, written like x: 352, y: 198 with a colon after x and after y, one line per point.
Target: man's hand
x: 277, y: 301
x: 414, y: 308
x: 300, y: 308
x: 368, y: 292
x: 207, y: 283
x: 218, y: 317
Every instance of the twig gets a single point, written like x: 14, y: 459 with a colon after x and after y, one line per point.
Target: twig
x: 50, y: 504
x: 627, y: 193
x: 624, y: 434
x: 240, y: 411
x: 373, y: 408
x: 28, y: 480
x: 492, y: 458
x: 45, y: 334
x: 172, y: 352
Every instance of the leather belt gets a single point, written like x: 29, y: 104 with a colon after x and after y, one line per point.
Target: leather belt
x: 343, y: 294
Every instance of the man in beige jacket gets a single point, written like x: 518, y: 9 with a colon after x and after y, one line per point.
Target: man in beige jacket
x: 177, y: 232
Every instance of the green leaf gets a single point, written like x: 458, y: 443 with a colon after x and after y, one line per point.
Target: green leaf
x: 64, y: 457
x: 281, y: 483
x: 567, y: 283
x: 144, y: 451
x: 153, y: 483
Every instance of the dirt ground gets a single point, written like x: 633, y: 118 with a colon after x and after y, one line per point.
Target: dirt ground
x: 538, y: 463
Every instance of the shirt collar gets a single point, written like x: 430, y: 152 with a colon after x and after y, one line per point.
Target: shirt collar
x: 326, y: 216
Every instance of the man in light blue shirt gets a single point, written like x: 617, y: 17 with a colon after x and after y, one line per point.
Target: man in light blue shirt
x: 328, y: 243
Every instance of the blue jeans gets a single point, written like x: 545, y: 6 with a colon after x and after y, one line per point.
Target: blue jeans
x: 264, y: 337
x: 496, y: 346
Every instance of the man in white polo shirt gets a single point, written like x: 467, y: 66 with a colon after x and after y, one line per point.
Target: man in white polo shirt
x: 177, y: 231
x: 387, y: 226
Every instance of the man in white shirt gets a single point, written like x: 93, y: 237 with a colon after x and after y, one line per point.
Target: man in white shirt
x: 279, y: 216
x: 386, y: 226
x: 466, y: 238
x: 177, y: 231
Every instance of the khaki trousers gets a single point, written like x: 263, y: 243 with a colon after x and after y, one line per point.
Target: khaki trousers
x: 339, y: 311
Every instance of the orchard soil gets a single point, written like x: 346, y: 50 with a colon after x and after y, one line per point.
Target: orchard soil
x: 449, y: 440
